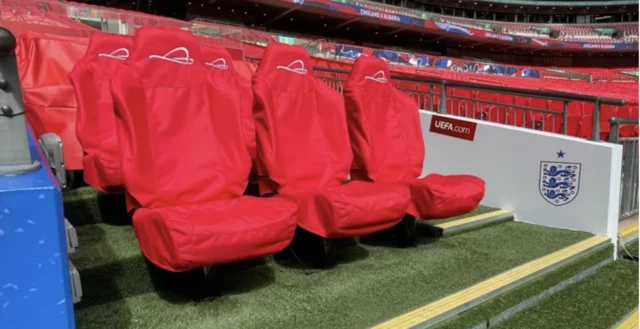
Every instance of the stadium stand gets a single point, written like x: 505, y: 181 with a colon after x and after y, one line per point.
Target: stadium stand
x: 568, y: 32
x: 339, y: 138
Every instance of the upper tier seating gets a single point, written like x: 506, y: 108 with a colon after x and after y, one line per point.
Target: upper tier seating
x: 304, y: 152
x: 388, y: 146
x: 191, y: 211
x: 95, y: 120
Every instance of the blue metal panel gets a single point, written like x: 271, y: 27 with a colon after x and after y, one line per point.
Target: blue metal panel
x: 35, y: 288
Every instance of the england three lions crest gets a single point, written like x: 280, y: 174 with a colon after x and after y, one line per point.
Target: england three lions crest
x: 559, y: 181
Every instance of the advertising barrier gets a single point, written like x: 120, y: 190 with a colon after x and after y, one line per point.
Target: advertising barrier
x: 547, y: 179
x: 397, y: 15
x: 418, y: 60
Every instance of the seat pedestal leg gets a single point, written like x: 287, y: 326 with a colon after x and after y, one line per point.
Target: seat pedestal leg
x: 313, y: 250
x: 194, y: 284
x: 405, y: 232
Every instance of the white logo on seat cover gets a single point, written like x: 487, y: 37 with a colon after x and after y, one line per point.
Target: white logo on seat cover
x: 292, y: 67
x: 185, y: 60
x: 377, y: 77
x: 119, y: 54
x: 219, y: 63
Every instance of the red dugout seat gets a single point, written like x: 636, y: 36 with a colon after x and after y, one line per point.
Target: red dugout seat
x: 304, y: 152
x: 184, y: 159
x: 388, y: 146
x: 220, y: 63
x: 95, y: 120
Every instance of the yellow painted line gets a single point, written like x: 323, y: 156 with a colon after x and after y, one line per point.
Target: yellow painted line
x: 472, y: 219
x: 629, y: 231
x: 462, y: 300
x: 630, y: 323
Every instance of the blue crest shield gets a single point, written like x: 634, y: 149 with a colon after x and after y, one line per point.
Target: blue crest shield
x: 559, y: 182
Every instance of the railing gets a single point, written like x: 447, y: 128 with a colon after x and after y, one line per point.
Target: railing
x: 620, y: 129
x: 497, y: 103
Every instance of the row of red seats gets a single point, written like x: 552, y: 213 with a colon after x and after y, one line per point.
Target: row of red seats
x: 171, y: 123
x: 524, y: 111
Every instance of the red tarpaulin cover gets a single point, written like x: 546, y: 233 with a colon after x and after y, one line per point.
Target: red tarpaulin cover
x: 304, y: 151
x: 185, y: 161
x: 388, y: 147
x: 44, y: 63
x: 96, y: 121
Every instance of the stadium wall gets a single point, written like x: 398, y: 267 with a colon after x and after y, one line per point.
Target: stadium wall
x: 511, y: 161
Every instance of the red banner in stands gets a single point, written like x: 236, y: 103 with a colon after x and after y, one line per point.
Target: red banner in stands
x: 453, y: 127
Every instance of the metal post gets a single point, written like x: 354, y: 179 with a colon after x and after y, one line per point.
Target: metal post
x: 431, y: 97
x: 629, y: 179
x: 15, y: 156
x: 443, y: 97
x: 565, y: 117
x: 595, y: 123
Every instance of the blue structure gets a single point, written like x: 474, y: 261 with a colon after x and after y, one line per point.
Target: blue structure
x: 35, y: 285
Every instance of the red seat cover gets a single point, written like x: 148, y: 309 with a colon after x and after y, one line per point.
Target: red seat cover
x: 184, y: 159
x: 95, y: 120
x: 44, y: 63
x: 388, y: 147
x: 304, y: 151
x: 219, y: 61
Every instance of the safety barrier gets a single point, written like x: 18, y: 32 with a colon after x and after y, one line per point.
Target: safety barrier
x: 486, y: 102
x: 495, y: 103
x: 629, y: 183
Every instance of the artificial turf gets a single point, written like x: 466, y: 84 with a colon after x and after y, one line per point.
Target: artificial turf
x: 495, y: 306
x: 599, y: 302
x: 632, y: 248
x: 371, y: 283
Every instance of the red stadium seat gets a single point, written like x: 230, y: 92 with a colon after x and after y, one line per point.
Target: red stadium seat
x: 185, y: 161
x: 627, y: 131
x: 553, y: 123
x: 304, y: 152
x: 388, y: 145
x: 606, y: 112
x: 95, y: 121
x: 219, y: 62
x: 573, y: 125
x: 586, y: 129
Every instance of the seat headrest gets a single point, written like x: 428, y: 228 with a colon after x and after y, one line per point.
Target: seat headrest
x: 107, y: 45
x: 369, y: 69
x: 167, y: 56
x: 217, y: 58
x: 280, y: 57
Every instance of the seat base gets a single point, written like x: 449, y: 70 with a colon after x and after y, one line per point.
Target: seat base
x: 437, y: 196
x: 402, y: 235
x: 182, y: 238
x: 312, y: 250
x: 353, y: 209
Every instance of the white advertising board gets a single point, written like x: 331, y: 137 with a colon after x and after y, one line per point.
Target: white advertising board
x: 546, y: 179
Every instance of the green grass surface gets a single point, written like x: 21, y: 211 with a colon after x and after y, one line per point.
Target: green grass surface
x: 85, y: 205
x: 598, y: 302
x: 488, y: 309
x: 371, y: 283
x: 632, y: 248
